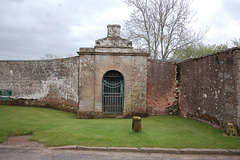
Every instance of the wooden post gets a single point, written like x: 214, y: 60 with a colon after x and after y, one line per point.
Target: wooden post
x: 136, y: 124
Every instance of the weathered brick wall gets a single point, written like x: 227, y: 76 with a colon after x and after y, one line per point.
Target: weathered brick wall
x: 209, y: 88
x: 44, y: 83
x: 161, y: 86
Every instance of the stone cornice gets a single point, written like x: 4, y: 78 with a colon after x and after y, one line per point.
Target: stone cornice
x: 113, y: 51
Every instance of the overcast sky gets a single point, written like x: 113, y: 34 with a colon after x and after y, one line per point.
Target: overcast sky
x: 29, y: 29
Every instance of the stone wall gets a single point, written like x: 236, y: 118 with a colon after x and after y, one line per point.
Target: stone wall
x: 43, y: 83
x: 86, y: 83
x: 210, y: 88
x: 205, y: 88
x: 139, y: 85
x: 92, y: 69
x: 161, y: 87
x: 112, y: 53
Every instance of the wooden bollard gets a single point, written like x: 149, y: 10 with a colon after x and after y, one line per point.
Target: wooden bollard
x: 136, y: 124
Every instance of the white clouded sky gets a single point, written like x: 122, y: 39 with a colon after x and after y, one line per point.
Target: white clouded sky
x: 31, y: 28
x: 222, y: 17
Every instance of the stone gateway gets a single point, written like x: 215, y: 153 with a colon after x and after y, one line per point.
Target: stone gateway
x: 113, y: 79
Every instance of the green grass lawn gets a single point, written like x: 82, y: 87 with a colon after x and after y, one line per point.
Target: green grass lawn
x: 54, y: 128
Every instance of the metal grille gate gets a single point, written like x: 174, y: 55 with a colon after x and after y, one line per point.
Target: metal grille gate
x: 113, y: 89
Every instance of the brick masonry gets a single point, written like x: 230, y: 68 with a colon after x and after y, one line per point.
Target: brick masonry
x: 161, y: 86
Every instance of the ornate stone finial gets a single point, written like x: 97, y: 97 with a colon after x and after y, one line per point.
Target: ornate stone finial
x: 113, y: 39
x: 113, y: 30
x: 113, y: 43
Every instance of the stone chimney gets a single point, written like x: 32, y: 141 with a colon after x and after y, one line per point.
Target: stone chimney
x: 113, y: 30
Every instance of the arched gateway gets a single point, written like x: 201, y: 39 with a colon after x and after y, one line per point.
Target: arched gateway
x: 113, y: 92
x: 103, y: 91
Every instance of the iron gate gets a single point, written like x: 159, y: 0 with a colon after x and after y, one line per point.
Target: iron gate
x: 113, y: 92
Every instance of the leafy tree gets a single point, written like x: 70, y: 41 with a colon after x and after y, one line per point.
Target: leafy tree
x: 162, y: 26
x: 197, y: 50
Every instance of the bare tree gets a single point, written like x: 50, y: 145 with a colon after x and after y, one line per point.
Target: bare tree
x: 235, y: 42
x: 162, y: 26
x: 50, y: 56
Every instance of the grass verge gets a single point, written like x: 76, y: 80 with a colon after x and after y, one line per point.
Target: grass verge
x: 55, y: 128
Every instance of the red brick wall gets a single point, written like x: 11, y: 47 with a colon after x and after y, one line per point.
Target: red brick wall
x: 161, y: 85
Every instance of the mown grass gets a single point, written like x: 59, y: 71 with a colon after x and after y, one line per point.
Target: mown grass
x: 55, y: 128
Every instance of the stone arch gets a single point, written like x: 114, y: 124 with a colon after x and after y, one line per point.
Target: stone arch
x: 113, y: 92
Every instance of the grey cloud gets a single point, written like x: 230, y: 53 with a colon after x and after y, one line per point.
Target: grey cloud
x: 33, y: 28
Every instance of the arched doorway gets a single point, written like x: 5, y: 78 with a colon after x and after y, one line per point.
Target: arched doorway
x: 113, y: 92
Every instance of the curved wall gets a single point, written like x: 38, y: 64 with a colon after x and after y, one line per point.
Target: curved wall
x: 209, y: 88
x: 43, y: 83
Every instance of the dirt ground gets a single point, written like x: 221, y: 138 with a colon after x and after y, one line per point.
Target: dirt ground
x: 22, y: 142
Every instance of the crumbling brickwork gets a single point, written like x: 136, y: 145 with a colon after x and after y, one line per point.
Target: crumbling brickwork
x: 44, y: 83
x: 161, y: 86
x: 209, y: 88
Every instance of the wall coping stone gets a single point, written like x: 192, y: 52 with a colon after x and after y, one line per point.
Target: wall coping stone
x: 220, y: 52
